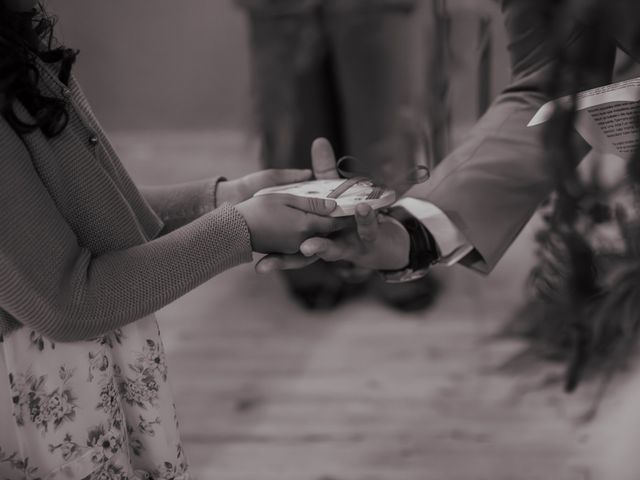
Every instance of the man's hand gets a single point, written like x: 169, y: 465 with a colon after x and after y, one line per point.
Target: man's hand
x: 373, y: 242
x: 279, y: 223
x: 323, y: 160
x: 241, y: 189
x: 376, y: 242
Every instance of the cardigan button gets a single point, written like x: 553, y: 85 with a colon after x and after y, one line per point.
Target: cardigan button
x: 66, y: 92
x: 93, y: 141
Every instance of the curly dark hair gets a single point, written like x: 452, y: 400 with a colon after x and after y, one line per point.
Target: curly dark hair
x: 26, y: 37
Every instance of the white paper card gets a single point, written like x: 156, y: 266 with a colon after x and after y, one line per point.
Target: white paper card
x: 606, y: 117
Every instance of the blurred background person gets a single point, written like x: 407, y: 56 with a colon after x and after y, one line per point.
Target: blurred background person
x: 347, y: 71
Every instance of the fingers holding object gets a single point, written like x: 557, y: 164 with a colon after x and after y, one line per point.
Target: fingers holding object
x: 323, y: 226
x: 273, y: 262
x: 316, y: 206
x: 367, y: 223
x: 324, y: 248
x: 323, y: 160
x: 287, y: 175
x: 271, y: 178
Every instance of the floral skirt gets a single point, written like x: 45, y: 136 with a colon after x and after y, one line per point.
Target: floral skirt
x: 97, y: 409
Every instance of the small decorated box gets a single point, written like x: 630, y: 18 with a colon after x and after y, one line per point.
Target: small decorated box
x: 346, y: 193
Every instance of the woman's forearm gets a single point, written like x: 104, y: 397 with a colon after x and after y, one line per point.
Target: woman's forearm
x: 94, y: 295
x: 179, y: 204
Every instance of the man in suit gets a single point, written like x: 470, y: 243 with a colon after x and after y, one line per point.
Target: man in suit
x: 481, y: 196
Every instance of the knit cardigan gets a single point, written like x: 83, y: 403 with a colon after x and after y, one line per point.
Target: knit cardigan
x: 84, y: 251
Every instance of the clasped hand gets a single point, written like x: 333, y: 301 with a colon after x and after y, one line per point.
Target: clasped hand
x: 296, y: 231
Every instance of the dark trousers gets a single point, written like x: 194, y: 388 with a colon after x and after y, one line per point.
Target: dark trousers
x: 352, y: 71
x: 353, y: 74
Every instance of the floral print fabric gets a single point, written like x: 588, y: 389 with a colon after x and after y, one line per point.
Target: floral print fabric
x: 93, y: 410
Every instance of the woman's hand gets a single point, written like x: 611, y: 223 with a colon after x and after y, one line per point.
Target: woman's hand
x: 241, y: 189
x: 324, y: 167
x: 377, y: 242
x: 279, y: 223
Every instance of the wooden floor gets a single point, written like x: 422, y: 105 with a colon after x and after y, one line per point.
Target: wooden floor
x: 267, y: 391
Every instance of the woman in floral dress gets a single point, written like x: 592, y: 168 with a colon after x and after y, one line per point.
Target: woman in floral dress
x: 86, y: 257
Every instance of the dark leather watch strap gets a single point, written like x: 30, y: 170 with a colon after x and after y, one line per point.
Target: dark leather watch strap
x: 423, y: 250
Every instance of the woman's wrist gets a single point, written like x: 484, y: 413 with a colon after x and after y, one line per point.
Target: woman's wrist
x: 247, y: 210
x: 220, y: 193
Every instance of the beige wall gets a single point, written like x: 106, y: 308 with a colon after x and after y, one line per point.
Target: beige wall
x: 159, y: 63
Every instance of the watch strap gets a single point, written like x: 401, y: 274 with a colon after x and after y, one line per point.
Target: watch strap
x: 423, y: 249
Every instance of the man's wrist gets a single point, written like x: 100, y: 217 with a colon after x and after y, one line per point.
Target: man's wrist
x: 423, y: 250
x: 402, y: 260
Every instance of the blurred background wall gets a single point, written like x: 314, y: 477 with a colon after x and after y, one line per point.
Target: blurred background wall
x: 167, y: 65
x: 160, y: 64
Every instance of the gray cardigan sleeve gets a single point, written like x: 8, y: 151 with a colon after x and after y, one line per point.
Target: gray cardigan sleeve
x: 181, y: 203
x: 51, y: 284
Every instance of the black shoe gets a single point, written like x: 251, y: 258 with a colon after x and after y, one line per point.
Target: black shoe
x: 412, y: 296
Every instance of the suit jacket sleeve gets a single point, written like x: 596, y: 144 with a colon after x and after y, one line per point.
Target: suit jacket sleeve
x: 492, y: 184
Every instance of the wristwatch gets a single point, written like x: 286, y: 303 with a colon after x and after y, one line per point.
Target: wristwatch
x: 423, y: 249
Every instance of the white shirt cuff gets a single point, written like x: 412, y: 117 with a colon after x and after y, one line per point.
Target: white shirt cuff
x: 452, y: 243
